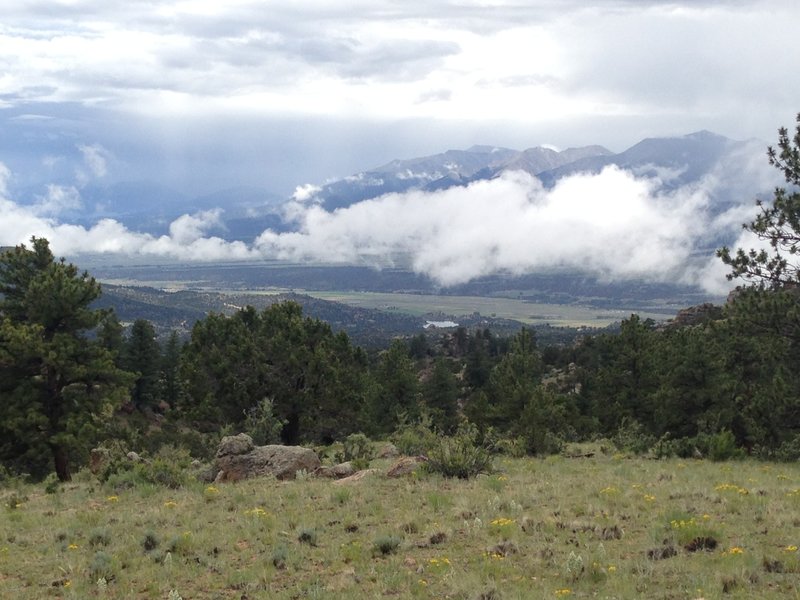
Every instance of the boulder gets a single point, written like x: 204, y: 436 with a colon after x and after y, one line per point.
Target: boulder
x: 233, y: 445
x: 405, y: 465
x: 238, y: 458
x: 339, y: 471
x: 389, y: 450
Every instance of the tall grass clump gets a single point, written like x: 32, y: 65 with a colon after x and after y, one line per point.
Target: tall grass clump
x: 460, y: 455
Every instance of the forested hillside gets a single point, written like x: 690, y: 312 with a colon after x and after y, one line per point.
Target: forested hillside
x: 720, y: 386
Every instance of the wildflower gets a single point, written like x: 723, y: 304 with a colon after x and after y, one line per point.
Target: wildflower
x: 791, y: 548
x: 67, y: 583
x: 609, y: 490
x: 706, y: 517
x: 649, y: 498
x: 212, y: 490
x: 563, y: 592
x: 257, y: 511
x: 502, y: 478
x: 113, y: 499
x: 612, y: 569
x: 736, y: 550
x: 170, y: 504
x: 73, y: 547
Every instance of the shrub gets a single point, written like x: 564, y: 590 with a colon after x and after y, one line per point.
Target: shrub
x: 356, y: 449
x: 386, y: 544
x: 261, y: 424
x: 279, y: 556
x: 102, y: 566
x: 460, y: 456
x: 307, y: 536
x: 168, y: 468
x: 415, y: 438
x: 722, y: 446
x: 788, y: 451
x: 631, y: 437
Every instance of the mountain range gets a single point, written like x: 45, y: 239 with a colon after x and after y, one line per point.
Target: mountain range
x: 673, y: 162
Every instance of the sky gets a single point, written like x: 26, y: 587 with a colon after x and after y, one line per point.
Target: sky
x: 201, y: 95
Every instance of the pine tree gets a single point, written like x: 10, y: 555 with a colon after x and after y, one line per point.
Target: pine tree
x: 56, y: 384
x: 777, y: 223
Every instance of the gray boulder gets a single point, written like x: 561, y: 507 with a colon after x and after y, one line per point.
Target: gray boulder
x: 238, y: 458
x: 339, y: 471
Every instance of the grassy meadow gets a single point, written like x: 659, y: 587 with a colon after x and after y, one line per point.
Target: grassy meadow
x: 605, y: 526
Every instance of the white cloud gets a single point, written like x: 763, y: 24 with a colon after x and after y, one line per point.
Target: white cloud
x: 95, y: 158
x: 524, y: 62
x: 5, y: 175
x: 58, y: 199
x: 614, y: 225
x: 610, y: 225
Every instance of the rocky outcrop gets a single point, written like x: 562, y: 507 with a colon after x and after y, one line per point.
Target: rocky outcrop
x: 405, y: 466
x: 238, y: 458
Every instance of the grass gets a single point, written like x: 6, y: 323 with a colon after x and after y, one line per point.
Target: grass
x: 601, y: 527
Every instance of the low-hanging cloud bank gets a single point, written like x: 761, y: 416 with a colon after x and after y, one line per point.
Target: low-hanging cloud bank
x: 612, y: 225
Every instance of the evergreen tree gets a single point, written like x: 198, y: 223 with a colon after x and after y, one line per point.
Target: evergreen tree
x: 440, y: 392
x: 777, y: 223
x: 142, y: 356
x: 314, y: 378
x: 170, y: 384
x: 396, y: 389
x: 56, y: 384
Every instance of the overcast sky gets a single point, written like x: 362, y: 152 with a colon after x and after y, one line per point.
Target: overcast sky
x: 204, y: 93
x: 201, y: 95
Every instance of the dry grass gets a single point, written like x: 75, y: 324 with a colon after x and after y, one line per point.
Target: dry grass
x: 601, y: 527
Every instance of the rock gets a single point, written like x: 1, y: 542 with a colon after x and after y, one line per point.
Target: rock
x: 133, y: 457
x: 339, y: 471
x: 239, y: 459
x: 405, y: 465
x: 388, y: 451
x: 696, y: 315
x: 232, y: 445
x: 355, y: 477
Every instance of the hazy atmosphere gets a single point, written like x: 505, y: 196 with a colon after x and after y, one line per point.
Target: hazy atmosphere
x: 202, y: 96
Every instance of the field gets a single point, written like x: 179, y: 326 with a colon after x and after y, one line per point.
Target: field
x: 605, y: 526
x: 529, y: 313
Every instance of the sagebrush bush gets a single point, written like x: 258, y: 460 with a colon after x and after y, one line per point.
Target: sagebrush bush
x: 460, y: 455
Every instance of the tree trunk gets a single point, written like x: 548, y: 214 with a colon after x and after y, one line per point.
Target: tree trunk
x: 61, y: 463
x: 291, y: 430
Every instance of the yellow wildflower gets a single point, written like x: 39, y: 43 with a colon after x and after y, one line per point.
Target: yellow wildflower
x: 113, y: 498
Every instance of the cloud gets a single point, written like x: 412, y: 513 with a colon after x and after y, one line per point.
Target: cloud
x: 612, y: 225
x: 95, y: 158
x: 59, y: 198
x: 5, y: 175
x: 188, y: 238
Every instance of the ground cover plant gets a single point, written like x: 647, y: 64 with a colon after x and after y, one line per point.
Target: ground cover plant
x: 599, y: 526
